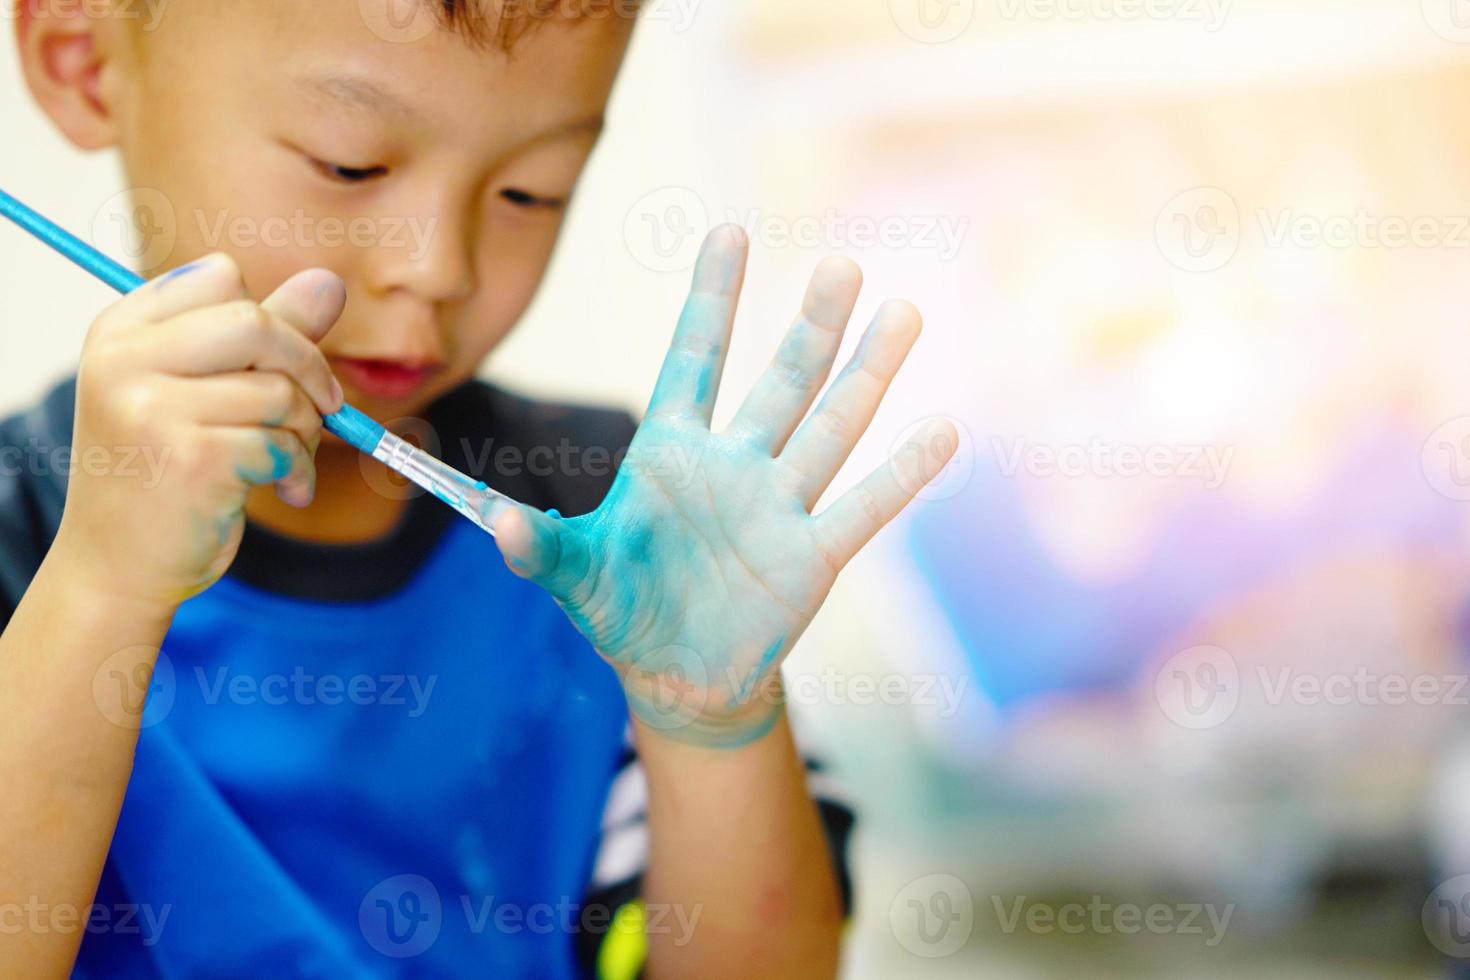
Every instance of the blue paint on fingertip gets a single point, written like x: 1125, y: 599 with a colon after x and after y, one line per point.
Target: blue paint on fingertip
x: 553, y: 513
x: 280, y: 461
x: 182, y: 270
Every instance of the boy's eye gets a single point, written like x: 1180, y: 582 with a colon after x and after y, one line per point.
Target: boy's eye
x: 525, y: 199
x: 348, y: 175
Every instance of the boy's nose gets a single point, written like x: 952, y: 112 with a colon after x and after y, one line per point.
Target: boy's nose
x: 430, y: 256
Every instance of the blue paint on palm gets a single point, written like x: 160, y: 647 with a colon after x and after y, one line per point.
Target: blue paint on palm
x: 704, y: 564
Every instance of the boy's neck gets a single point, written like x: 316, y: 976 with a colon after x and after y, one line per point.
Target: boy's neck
x: 347, y: 508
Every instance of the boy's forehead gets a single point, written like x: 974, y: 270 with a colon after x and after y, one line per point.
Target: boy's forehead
x: 506, y: 29
x: 402, y: 60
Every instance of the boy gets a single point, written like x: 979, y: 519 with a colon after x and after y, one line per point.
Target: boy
x: 275, y: 808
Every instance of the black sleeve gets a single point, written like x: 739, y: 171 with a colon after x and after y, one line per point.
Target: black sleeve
x: 35, y: 455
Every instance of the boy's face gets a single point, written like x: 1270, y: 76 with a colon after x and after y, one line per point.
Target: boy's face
x: 431, y: 174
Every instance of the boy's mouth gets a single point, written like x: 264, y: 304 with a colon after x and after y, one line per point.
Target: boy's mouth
x: 376, y: 378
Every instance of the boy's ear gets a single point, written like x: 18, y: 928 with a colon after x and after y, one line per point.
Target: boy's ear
x: 63, y: 60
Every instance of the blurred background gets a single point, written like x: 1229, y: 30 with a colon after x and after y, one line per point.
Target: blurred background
x: 1166, y: 675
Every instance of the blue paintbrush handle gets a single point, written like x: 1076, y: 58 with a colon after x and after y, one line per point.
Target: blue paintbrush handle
x: 348, y: 423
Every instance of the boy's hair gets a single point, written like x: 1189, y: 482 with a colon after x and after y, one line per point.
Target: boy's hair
x: 503, y: 22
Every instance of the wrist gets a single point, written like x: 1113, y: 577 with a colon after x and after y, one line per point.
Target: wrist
x: 738, y: 725
x: 72, y: 570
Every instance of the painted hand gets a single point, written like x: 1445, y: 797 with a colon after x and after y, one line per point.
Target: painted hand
x: 704, y: 564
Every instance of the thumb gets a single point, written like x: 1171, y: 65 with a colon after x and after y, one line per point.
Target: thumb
x: 540, y: 547
x: 311, y: 301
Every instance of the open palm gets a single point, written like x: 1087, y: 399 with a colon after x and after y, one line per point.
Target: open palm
x: 704, y: 564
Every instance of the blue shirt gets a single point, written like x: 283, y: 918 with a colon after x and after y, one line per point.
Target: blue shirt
x: 356, y: 789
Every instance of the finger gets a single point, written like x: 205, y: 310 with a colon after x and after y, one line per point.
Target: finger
x: 857, y: 515
x: 207, y: 281
x: 311, y: 301
x: 542, y: 548
x: 690, y: 377
x: 240, y: 336
x: 265, y: 455
x: 819, y: 448
x: 786, y: 389
x: 246, y: 398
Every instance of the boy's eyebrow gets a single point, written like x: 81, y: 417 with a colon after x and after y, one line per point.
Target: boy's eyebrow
x: 360, y: 92
x: 364, y: 93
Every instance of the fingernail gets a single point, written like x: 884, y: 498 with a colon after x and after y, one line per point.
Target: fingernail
x: 337, y: 392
